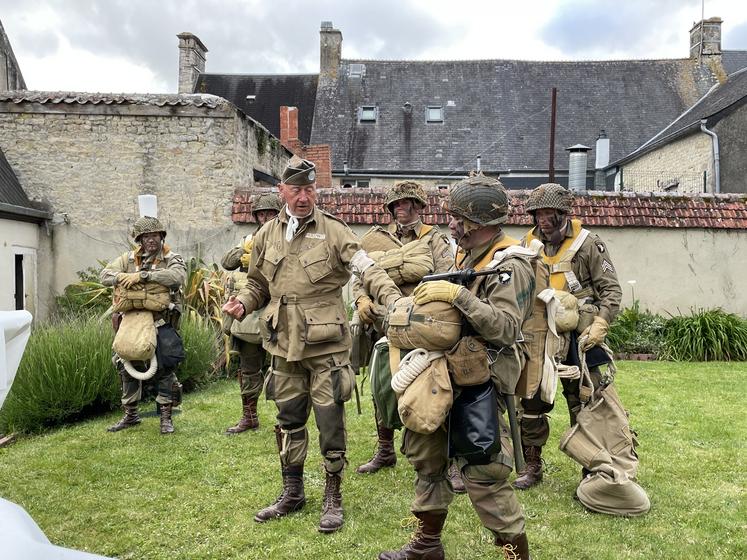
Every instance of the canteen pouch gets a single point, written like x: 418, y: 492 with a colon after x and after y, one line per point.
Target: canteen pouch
x: 468, y: 362
x: 169, y: 348
x: 474, y: 431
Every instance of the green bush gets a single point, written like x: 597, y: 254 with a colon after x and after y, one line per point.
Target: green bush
x: 637, y: 332
x: 66, y: 372
x: 711, y: 335
x: 88, y: 294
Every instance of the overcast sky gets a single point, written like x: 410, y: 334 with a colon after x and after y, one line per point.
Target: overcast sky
x: 131, y: 45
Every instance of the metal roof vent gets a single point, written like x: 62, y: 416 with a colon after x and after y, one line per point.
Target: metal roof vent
x: 577, y: 167
x: 356, y: 70
x: 326, y: 25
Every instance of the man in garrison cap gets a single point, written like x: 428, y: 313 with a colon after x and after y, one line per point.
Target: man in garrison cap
x: 300, y: 262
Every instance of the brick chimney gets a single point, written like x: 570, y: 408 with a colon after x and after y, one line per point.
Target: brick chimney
x: 330, y: 50
x: 191, y: 61
x: 705, y: 38
x: 289, y: 129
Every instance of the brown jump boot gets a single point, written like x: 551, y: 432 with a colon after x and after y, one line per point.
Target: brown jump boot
x: 385, y: 455
x: 331, y: 519
x: 167, y: 427
x: 425, y: 543
x: 249, y: 420
x: 131, y: 418
x: 515, y: 549
x: 291, y: 499
x: 531, y: 474
x: 455, y: 477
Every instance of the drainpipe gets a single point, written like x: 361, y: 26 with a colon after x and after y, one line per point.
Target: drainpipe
x: 716, y: 157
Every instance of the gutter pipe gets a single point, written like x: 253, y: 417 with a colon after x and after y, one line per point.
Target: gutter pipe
x: 716, y: 157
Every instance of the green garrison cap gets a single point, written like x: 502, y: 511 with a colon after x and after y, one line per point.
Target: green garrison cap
x: 299, y: 172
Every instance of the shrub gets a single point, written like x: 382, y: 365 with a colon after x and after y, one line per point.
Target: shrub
x: 637, y: 332
x: 706, y: 336
x: 66, y: 372
x: 88, y: 294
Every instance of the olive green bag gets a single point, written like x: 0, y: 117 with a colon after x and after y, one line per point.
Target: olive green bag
x: 384, y: 396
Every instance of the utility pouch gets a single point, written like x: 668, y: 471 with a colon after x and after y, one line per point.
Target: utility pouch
x: 474, y: 431
x: 169, y: 348
x: 342, y: 383
x: 468, y: 362
x: 324, y: 324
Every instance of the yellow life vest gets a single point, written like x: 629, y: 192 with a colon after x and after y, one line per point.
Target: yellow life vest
x: 561, y: 267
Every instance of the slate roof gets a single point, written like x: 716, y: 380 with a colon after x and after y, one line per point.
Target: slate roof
x: 270, y: 91
x: 712, y: 106
x: 14, y: 203
x: 733, y: 61
x: 81, y: 98
x: 501, y: 109
x: 656, y: 210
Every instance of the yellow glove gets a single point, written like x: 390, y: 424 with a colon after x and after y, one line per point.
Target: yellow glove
x: 248, y: 244
x: 246, y: 258
x: 595, y: 333
x: 128, y: 279
x: 364, y: 307
x: 440, y: 290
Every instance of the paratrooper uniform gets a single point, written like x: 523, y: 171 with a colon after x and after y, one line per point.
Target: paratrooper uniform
x: 167, y: 268
x: 581, y: 265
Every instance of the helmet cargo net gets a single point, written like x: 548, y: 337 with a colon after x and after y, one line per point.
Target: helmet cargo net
x: 479, y: 201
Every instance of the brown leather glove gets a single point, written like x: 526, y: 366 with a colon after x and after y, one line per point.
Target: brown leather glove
x: 364, y: 305
x: 595, y: 333
x: 128, y: 279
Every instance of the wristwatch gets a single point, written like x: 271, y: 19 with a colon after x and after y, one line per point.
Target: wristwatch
x: 145, y: 275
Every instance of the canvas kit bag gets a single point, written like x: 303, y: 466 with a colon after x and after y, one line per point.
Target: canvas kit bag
x: 426, y: 401
x: 436, y: 325
x: 381, y: 385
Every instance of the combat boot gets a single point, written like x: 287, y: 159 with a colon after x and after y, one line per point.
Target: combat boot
x: 131, y: 418
x: 531, y: 474
x: 331, y: 519
x: 167, y: 427
x: 455, y: 477
x: 249, y: 420
x: 515, y: 549
x: 291, y: 499
x: 385, y: 455
x: 425, y: 543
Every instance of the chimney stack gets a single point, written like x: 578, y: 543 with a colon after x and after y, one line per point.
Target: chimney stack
x: 191, y: 61
x: 705, y: 38
x: 577, y: 167
x: 330, y: 51
x: 289, y: 129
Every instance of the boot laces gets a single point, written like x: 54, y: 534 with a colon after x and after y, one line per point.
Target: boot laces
x: 510, y: 552
x: 412, y: 522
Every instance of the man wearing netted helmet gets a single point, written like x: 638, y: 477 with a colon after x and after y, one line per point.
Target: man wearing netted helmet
x: 245, y: 334
x: 494, y: 307
x: 580, y: 264
x: 152, y: 266
x: 404, y: 201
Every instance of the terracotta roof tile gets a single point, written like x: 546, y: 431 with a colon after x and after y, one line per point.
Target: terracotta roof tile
x: 658, y: 210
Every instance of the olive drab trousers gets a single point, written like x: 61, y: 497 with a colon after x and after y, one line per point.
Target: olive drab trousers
x: 251, y: 365
x: 487, y: 485
x: 322, y: 383
x: 132, y: 389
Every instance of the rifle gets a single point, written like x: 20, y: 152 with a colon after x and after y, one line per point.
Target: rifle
x: 465, y: 278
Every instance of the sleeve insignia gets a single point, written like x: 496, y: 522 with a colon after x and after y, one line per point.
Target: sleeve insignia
x: 607, y: 266
x: 504, y: 277
x: 600, y: 246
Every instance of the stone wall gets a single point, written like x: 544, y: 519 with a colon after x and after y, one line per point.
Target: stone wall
x: 89, y: 161
x: 733, y: 147
x: 684, y: 160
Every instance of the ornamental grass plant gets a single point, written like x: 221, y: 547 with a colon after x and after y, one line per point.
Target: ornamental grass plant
x: 706, y: 335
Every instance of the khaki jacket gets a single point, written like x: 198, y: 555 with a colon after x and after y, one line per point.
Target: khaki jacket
x: 301, y: 284
x: 593, y: 268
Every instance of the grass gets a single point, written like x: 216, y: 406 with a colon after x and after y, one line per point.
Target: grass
x: 138, y: 495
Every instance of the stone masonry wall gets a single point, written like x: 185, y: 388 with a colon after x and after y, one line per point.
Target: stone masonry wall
x: 685, y: 159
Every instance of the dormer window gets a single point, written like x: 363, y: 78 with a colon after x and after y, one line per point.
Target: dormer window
x: 368, y: 113
x: 434, y: 114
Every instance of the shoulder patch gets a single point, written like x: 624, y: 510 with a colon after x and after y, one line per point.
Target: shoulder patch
x: 504, y: 276
x: 600, y: 246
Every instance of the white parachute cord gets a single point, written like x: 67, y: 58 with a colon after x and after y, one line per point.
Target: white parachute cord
x: 413, y: 364
x: 141, y: 375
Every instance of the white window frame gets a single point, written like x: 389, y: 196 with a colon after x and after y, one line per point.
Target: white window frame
x: 356, y: 70
x: 367, y: 109
x: 29, y: 252
x: 428, y: 118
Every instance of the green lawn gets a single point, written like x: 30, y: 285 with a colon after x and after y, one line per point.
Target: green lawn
x: 136, y: 494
